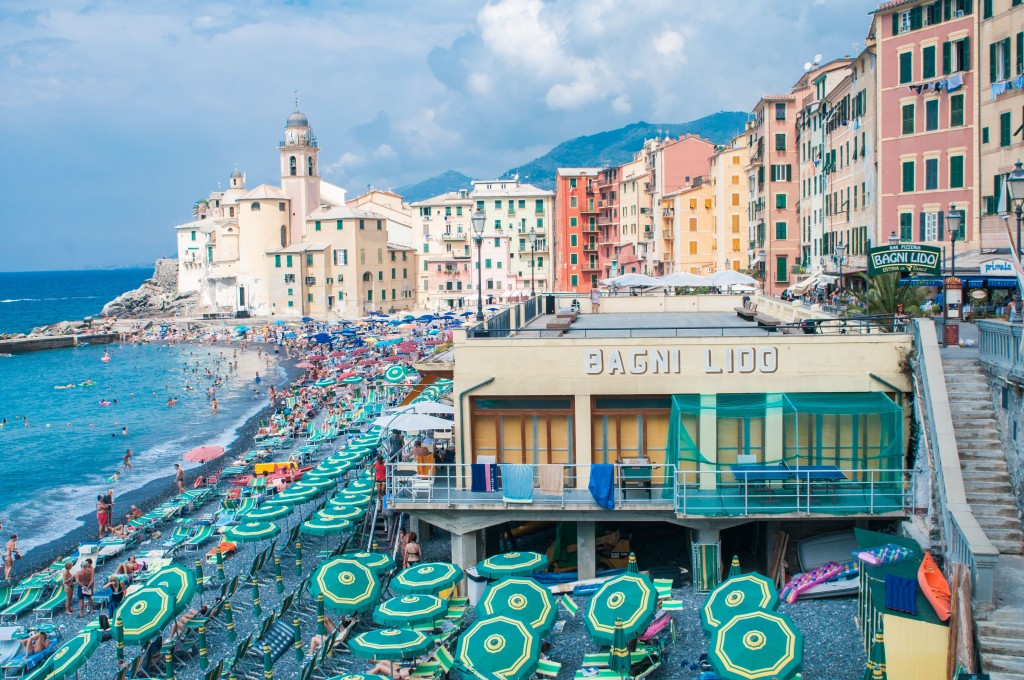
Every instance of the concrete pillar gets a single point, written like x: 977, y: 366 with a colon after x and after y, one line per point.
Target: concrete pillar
x: 708, y: 535
x: 583, y: 445
x: 773, y: 425
x: 421, y: 528
x: 466, y: 552
x: 586, y: 549
x: 708, y: 444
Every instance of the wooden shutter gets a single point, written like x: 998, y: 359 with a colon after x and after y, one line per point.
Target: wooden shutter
x: 946, y: 57
x: 968, y: 7
x: 1020, y: 52
x: 915, y: 18
x: 992, y: 62
x: 896, y: 23
x: 920, y: 227
x: 987, y: 9
x: 966, y: 66
x: 942, y: 222
x: 1006, y: 58
x: 947, y: 9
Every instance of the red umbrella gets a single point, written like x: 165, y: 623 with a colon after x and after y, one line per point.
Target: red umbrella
x: 406, y: 346
x: 304, y: 364
x: 360, y: 350
x: 316, y: 357
x: 347, y: 374
x: 336, y: 354
x: 203, y: 454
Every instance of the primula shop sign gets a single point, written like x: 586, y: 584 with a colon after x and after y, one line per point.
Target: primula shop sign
x: 905, y: 257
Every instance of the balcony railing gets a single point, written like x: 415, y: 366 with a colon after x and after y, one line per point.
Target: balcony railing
x: 803, y: 491
x: 454, y: 236
x: 1000, y: 348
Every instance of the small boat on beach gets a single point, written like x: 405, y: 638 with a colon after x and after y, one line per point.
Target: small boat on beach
x: 933, y: 585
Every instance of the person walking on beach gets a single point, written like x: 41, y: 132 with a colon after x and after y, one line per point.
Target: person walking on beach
x: 179, y: 478
x: 10, y: 554
x: 102, y: 517
x: 127, y: 461
x: 86, y: 579
x: 69, y: 587
x: 411, y: 554
x: 213, y: 405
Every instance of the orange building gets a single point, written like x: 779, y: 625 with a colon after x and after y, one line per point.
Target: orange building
x: 577, y: 266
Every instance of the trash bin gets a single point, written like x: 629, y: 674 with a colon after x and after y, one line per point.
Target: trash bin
x: 549, y: 304
x: 951, y: 334
x: 475, y: 585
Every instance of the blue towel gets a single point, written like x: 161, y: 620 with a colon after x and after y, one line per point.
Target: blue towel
x: 602, y: 485
x: 484, y: 476
x: 517, y: 482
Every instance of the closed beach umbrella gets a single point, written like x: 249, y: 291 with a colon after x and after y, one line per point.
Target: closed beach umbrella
x: 348, y: 587
x: 252, y: 532
x: 144, y: 613
x: 268, y: 513
x: 198, y: 571
x: 427, y: 578
x: 499, y: 647
x: 757, y: 645
x: 390, y: 644
x: 618, y: 655
x: 324, y: 526
x: 875, y: 669
x: 630, y: 597
x: 522, y: 599
x: 512, y: 564
x: 178, y: 582
x: 410, y: 610
x: 378, y: 563
x: 203, y: 454
x: 738, y: 595
x: 72, y: 655
x: 631, y: 566
x: 734, y: 568
x: 278, y: 576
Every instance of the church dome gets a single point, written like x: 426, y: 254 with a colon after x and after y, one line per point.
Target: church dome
x: 298, y: 119
x: 236, y: 174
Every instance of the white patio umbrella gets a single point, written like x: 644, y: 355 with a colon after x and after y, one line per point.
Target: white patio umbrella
x: 729, y: 277
x: 432, y: 407
x: 413, y: 422
x: 633, y: 281
x: 683, y: 280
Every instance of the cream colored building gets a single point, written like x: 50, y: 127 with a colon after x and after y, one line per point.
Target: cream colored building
x: 687, y: 232
x: 730, y: 214
x: 636, y: 226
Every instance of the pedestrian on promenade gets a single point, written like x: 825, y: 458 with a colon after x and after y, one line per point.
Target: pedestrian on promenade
x: 595, y: 300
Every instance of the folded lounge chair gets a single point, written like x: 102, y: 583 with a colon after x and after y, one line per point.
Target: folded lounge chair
x: 202, y: 534
x: 47, y: 609
x: 26, y: 602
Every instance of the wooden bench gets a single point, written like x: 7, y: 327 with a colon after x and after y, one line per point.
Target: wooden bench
x: 746, y: 313
x: 567, y: 313
x: 767, y: 321
x: 791, y: 330
x: 559, y: 324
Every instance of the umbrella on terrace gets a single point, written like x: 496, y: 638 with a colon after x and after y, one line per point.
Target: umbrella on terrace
x: 410, y: 610
x: 512, y: 564
x: 729, y: 277
x: 522, y: 599
x: 413, y: 422
x: 324, y: 526
x: 268, y: 513
x: 348, y: 587
x: 427, y: 578
x: 630, y: 597
x: 333, y: 514
x: 390, y: 644
x: 203, y: 454
x: 499, y: 647
x: 738, y: 595
x: 757, y: 645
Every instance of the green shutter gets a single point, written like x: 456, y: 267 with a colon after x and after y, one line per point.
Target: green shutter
x: 946, y: 57
x: 942, y: 222
x: 1020, y: 52
x: 906, y: 67
x: 968, y: 6
x: 956, y: 106
x: 947, y: 9
x: 1005, y: 132
x: 896, y: 23
x: 915, y: 18
x: 984, y: 135
x: 987, y: 9
x: 908, y: 119
x: 928, y: 62
x: 966, y: 66
x: 908, y: 176
x: 1006, y: 58
x: 920, y: 227
x: 992, y: 62
x: 956, y: 172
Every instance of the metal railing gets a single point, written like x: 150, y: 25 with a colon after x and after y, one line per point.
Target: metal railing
x: 999, y: 347
x: 965, y: 541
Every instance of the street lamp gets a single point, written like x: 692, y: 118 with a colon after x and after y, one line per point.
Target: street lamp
x: 1015, y: 190
x: 478, y: 220
x: 953, y: 220
x: 533, y: 250
x: 894, y: 238
x: 840, y: 250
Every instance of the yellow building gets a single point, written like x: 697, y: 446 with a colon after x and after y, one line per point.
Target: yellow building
x: 730, y: 214
x: 689, y: 242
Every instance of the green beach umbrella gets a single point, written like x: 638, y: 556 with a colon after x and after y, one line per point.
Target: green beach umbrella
x: 378, y: 563
x: 512, y: 564
x: 313, y: 484
x: 257, y: 607
x: 734, y: 567
x: 178, y: 582
x: 268, y: 513
x: 395, y: 374
x: 168, y: 651
x: 352, y: 380
x: 204, y: 651
x: 326, y: 475
x: 333, y: 514
x: 118, y: 635
x: 292, y: 498
x: 324, y: 526
x: 348, y: 587
x: 390, y: 644
x: 410, y: 610
x: 630, y: 597
x: 499, y: 647
x: 252, y: 532
x: 618, y: 655
x: 738, y: 595
x: 522, y: 599
x: 360, y: 485
x: 348, y: 499
x: 427, y: 578
x: 72, y: 655
x: 757, y: 645
x: 632, y: 567
x: 278, y: 576
x: 875, y: 668
x: 219, y: 556
x: 144, y: 613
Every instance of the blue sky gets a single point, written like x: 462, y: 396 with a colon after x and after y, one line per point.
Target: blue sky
x: 119, y: 115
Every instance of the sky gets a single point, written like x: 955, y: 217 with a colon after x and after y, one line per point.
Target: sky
x: 119, y: 115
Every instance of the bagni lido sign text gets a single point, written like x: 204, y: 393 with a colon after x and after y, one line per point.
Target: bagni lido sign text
x: 670, y: 361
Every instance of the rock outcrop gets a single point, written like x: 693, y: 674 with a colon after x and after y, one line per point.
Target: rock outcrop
x: 156, y: 297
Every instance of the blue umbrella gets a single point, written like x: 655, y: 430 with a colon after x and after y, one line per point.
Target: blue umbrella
x: 492, y: 309
x: 466, y: 314
x: 322, y: 338
x: 306, y: 319
x: 279, y: 323
x: 241, y: 329
x: 289, y: 335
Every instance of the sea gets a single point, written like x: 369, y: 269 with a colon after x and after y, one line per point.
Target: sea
x: 62, y: 447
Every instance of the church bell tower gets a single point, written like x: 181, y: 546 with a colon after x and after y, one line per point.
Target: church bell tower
x: 300, y: 172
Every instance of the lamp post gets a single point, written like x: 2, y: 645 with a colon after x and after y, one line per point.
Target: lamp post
x: 533, y: 250
x: 840, y: 251
x: 478, y: 220
x: 728, y: 264
x: 1015, y: 189
x: 894, y: 238
x: 953, y: 220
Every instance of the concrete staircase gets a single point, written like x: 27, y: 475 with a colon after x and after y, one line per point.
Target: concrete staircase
x: 987, y: 485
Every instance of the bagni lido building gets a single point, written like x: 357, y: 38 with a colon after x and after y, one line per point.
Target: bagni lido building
x: 675, y: 410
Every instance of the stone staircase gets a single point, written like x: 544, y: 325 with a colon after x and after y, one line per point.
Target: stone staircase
x: 987, y: 485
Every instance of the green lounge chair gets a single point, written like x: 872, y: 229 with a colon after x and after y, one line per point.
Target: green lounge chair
x: 5, y: 596
x: 47, y: 609
x: 178, y: 538
x: 203, y: 533
x: 26, y: 602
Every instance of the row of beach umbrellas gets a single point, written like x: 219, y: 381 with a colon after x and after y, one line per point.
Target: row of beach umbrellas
x: 720, y: 279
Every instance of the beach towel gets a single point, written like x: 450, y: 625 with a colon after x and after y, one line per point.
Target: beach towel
x: 551, y: 479
x: 602, y: 485
x: 517, y: 483
x: 485, y: 477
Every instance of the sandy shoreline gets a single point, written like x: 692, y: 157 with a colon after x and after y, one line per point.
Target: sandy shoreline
x: 148, y: 496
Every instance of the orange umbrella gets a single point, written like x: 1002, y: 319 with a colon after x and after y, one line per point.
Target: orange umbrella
x: 203, y: 454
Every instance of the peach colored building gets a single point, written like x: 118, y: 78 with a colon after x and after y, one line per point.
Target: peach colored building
x: 575, y: 242
x: 675, y: 165
x: 927, y: 113
x: 727, y: 180
x: 608, y: 227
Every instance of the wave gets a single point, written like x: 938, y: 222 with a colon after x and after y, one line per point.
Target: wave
x: 52, y: 299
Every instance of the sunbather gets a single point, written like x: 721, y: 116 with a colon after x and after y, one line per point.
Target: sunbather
x: 134, y: 513
x: 35, y: 643
x: 392, y: 668
x: 121, y: 531
x: 179, y: 625
x: 318, y: 640
x: 130, y: 567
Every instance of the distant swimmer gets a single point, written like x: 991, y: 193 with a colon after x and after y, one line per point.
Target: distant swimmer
x: 124, y: 431
x: 104, y: 402
x: 106, y: 357
x: 172, y: 401
x: 127, y: 460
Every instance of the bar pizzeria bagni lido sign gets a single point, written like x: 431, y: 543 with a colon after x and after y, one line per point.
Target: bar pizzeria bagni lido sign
x: 905, y: 257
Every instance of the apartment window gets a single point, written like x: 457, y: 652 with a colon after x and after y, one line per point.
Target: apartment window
x: 780, y: 173
x: 902, y: 21
x: 538, y: 206
x: 984, y: 135
x: 458, y: 211
x: 928, y: 62
x: 956, y: 172
x: 540, y: 222
x: 956, y: 110
x: 735, y: 244
x: 572, y: 202
x: 782, y: 268
x: 735, y: 224
x: 931, y: 115
x: 309, y: 259
x: 906, y: 67
x: 931, y: 174
x: 340, y: 225
x: 497, y: 242
x: 908, y: 176
x: 906, y: 227
x: 999, y: 60
x: 780, y: 231
x: 780, y: 142
x: 362, y: 224
x: 277, y: 261
x: 956, y: 56
x: 573, y: 222
x: 780, y: 111
x: 930, y: 226
x: 316, y: 226
x: 574, y: 258
x: 735, y: 199
x: 1005, y: 129
x: 693, y: 247
x: 193, y: 236
x: 487, y: 263
x: 341, y: 257
x: 780, y: 200
x: 380, y: 225
x: 574, y: 280
x: 693, y: 224
x: 573, y: 240
x: 987, y: 12
x: 908, y: 119
x: 497, y: 205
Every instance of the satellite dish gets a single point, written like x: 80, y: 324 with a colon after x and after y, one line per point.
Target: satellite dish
x: 807, y: 66
x: 817, y: 58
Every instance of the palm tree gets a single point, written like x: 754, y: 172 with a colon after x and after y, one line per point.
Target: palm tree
x: 883, y: 292
x: 200, y: 207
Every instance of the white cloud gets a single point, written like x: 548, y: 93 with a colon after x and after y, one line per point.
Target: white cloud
x: 479, y: 83
x: 621, y: 104
x: 670, y: 44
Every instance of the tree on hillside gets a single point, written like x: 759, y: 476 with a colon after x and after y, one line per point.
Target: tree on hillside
x: 884, y: 293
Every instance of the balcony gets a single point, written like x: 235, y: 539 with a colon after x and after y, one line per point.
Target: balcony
x: 590, y: 209
x: 454, y: 236
x: 668, y: 212
x: 590, y: 245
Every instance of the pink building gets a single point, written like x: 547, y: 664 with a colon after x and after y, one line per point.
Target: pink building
x: 927, y: 118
